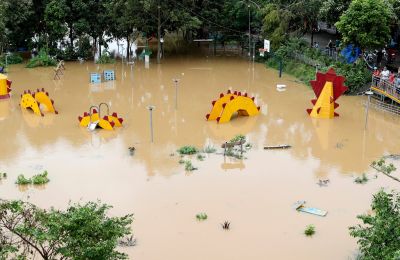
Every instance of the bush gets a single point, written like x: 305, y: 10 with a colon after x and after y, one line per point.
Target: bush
x: 379, y: 237
x: 41, y: 60
x: 105, y: 59
x: 357, y: 75
x: 13, y: 58
x: 310, y: 230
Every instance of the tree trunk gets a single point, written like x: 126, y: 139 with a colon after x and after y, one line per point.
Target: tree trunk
x: 128, y: 47
x: 312, y: 37
x: 71, y: 36
x: 159, y: 36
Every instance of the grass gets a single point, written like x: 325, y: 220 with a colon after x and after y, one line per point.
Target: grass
x: 37, y: 179
x: 187, y: 150
x: 238, y: 138
x: 201, y: 216
x: 189, y: 166
x: 310, y: 230
x: 381, y: 165
x: 361, y: 180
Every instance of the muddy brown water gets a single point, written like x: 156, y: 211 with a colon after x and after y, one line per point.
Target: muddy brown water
x: 254, y: 194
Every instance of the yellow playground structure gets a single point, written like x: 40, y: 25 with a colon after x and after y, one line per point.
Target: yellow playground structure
x: 93, y: 119
x: 231, y: 103
x: 328, y: 87
x: 5, y: 87
x: 38, y: 102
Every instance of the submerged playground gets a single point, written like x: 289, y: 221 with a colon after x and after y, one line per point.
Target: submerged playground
x: 112, y: 133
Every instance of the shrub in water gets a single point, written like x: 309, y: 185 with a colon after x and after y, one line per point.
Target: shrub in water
x: 21, y: 180
x: 201, y: 216
x: 187, y: 149
x: 310, y: 230
x: 41, y: 60
x: 40, y: 178
x: 105, y: 59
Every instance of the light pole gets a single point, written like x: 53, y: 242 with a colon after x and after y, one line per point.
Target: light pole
x: 151, y: 108
x: 369, y: 93
x: 176, y: 82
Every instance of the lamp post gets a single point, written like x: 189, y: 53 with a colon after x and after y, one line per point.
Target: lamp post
x: 369, y: 93
x: 151, y: 108
x: 176, y: 82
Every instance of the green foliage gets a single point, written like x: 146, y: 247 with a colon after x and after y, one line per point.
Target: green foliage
x: 366, y: 23
x: 379, y: 236
x: 361, y: 180
x: 238, y: 138
x: 37, y: 179
x: 357, y: 74
x: 201, y: 216
x: 189, y: 166
x: 188, y: 150
x: 80, y: 232
x: 382, y: 166
x: 21, y: 180
x: 40, y: 178
x: 13, y: 58
x: 105, y: 58
x: 331, y: 10
x: 310, y: 230
x: 41, y: 60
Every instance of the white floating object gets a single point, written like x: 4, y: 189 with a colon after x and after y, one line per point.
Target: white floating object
x: 280, y: 86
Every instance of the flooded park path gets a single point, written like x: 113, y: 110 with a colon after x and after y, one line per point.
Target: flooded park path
x: 254, y: 194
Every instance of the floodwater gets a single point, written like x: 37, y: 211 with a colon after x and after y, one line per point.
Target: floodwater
x: 255, y: 194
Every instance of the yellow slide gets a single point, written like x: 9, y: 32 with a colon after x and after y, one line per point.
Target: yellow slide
x: 232, y: 103
x: 5, y: 87
x: 37, y: 102
x: 107, y: 122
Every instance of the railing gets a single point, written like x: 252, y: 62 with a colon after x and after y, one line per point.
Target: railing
x: 390, y: 89
x: 377, y: 104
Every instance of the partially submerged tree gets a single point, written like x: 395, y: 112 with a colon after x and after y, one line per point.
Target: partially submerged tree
x: 366, y: 23
x: 379, y: 237
x: 80, y: 232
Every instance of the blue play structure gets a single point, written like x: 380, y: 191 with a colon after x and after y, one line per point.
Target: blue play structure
x: 109, y: 75
x: 95, y: 78
x: 2, y: 70
x: 351, y: 53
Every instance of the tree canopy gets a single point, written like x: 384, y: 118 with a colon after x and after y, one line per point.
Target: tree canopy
x: 366, y: 23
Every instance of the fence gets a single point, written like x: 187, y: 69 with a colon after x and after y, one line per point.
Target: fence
x: 386, y: 88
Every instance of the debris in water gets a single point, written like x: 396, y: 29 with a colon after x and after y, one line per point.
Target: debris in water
x: 299, y: 206
x: 281, y: 146
x: 131, y: 150
x: 127, y: 242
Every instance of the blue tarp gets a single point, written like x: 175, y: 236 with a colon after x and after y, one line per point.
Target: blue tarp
x: 351, y: 53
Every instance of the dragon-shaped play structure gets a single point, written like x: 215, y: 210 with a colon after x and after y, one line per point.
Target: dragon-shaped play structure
x: 328, y: 87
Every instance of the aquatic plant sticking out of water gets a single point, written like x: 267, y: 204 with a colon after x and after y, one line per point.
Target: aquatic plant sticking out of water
x: 181, y: 161
x: 201, y: 216
x: 310, y: 230
x: 40, y: 178
x: 37, y: 179
x: 383, y: 167
x: 189, y: 166
x: 187, y: 150
x: 323, y: 183
x: 21, y: 180
x: 226, y: 225
x: 361, y: 180
x: 127, y: 242
x: 210, y: 149
x: 200, y: 157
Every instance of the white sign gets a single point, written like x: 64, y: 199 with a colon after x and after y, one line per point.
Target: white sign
x: 267, y: 45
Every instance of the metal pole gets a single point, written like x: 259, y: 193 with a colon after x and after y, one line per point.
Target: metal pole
x: 248, y: 6
x: 151, y: 108
x: 369, y: 93
x: 159, y: 35
x: 176, y: 81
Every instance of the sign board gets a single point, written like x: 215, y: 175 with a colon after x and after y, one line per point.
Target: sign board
x: 267, y: 45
